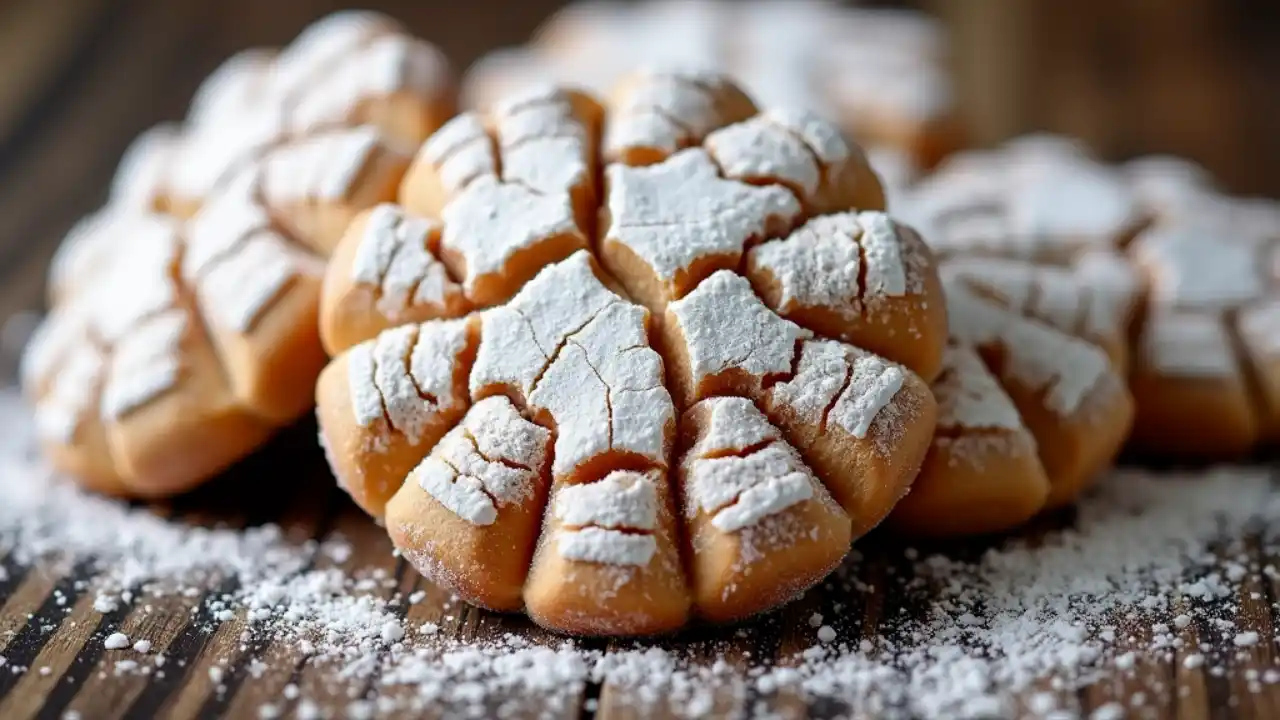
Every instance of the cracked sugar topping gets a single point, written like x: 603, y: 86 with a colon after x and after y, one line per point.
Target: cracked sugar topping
x: 494, y: 458
x: 395, y: 256
x: 145, y: 364
x: 406, y: 374
x: 664, y: 111
x: 1066, y: 369
x: 740, y: 470
x: 1185, y: 344
x: 726, y: 327
x: 579, y: 352
x: 680, y: 211
x: 594, y: 516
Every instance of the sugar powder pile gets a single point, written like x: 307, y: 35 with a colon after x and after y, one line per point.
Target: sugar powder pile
x: 1153, y: 569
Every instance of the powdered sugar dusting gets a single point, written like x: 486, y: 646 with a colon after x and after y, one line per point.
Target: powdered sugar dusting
x: 738, y: 490
x: 969, y: 396
x: 593, y: 515
x: 726, y: 327
x: 1152, y: 556
x: 674, y: 213
x: 145, y: 364
x: 1187, y: 345
x: 1067, y: 369
x: 394, y: 256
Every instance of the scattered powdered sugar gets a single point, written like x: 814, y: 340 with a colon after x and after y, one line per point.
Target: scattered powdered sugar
x: 1152, y: 569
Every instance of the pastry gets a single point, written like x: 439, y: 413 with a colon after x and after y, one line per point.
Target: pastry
x: 184, y: 326
x: 637, y: 387
x: 880, y: 72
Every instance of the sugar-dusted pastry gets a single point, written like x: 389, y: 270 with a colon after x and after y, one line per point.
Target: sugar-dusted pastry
x: 982, y: 473
x: 184, y: 329
x: 1068, y: 394
x: 880, y: 73
x: 349, y: 69
x: 174, y: 348
x: 619, y: 406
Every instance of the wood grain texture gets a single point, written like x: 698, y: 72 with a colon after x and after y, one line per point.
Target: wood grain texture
x: 79, y: 79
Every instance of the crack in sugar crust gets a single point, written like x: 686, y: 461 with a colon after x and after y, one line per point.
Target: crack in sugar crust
x: 610, y: 521
x: 322, y: 167
x: 544, y: 145
x: 738, y: 491
x: 677, y: 213
x: 394, y: 256
x: 726, y: 328
x: 573, y: 350
x: 492, y: 459
x: 1067, y: 370
x: 665, y: 111
x: 406, y: 375
x: 846, y: 261
x: 492, y: 222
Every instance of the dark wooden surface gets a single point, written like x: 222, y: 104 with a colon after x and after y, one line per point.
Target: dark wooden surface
x: 78, y: 79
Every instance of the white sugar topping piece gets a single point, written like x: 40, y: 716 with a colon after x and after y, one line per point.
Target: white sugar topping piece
x: 734, y: 424
x: 605, y: 391
x: 320, y: 47
x: 230, y: 88
x: 726, y: 327
x: 873, y: 383
x: 593, y: 517
x: 242, y: 287
x: 145, y: 364
x: 969, y: 396
x: 1073, y: 200
x: 1192, y: 268
x: 662, y: 111
x: 462, y: 495
x: 757, y: 148
x: 136, y: 282
x: 606, y: 547
x: 886, y: 273
x: 621, y: 500
x: 544, y: 146
x: 817, y: 265
x: 407, y: 410
x: 823, y: 138
x: 366, y: 401
x: 406, y: 374
x: 680, y: 210
x: 738, y: 490
x: 394, y: 256
x: 318, y: 167
x: 1065, y: 368
x: 1187, y: 345
x: 521, y: 337
x: 490, y: 222
x: 213, y: 152
x: 222, y: 224
x: 494, y: 458
x: 820, y: 376
x: 461, y: 151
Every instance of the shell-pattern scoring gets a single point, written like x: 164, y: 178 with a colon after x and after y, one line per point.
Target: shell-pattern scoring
x: 1174, y: 280
x: 183, y: 328
x: 619, y: 366
x: 881, y: 72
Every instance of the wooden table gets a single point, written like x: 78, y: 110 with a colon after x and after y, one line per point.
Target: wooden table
x: 78, y: 79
